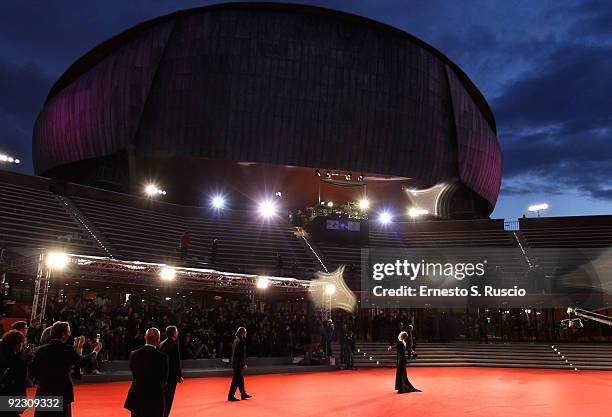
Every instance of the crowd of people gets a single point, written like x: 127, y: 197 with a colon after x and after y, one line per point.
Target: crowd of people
x: 206, y: 328
x: 84, y: 330
x: 89, y: 327
x: 155, y: 365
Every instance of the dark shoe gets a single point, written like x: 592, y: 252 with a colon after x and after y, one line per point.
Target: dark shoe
x: 232, y: 399
x: 244, y: 397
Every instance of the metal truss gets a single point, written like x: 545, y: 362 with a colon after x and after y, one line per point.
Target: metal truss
x: 41, y: 291
x: 118, y: 272
x: 115, y: 271
x: 150, y: 274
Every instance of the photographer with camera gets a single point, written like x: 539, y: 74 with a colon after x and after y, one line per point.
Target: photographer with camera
x: 53, y: 363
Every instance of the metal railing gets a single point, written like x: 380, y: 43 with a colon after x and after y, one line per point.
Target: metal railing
x: 512, y: 225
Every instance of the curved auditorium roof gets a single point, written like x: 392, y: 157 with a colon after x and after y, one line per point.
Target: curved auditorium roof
x: 274, y: 83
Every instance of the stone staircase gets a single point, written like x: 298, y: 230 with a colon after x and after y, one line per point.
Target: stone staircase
x: 591, y: 356
x: 513, y: 355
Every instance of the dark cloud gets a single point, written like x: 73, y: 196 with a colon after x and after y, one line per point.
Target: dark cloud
x: 530, y: 186
x: 594, y: 21
x: 557, y: 123
x: 573, y: 87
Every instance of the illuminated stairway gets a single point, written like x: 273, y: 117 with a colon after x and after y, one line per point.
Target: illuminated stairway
x: 515, y: 355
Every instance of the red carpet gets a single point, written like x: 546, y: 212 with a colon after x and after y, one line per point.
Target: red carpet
x: 473, y: 392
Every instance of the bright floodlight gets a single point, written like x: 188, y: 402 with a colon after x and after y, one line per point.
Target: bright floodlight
x: 151, y: 189
x: 330, y: 204
x: 538, y: 207
x: 385, y: 217
x: 364, y: 204
x: 267, y: 208
x: 57, y: 260
x: 9, y: 159
x: 168, y: 273
x: 330, y: 289
x: 218, y: 202
x: 262, y: 283
x: 416, y: 212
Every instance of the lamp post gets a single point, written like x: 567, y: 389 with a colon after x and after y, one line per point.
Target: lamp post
x: 537, y: 208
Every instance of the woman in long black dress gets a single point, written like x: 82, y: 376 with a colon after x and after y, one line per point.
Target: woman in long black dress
x: 402, y: 384
x: 12, y: 368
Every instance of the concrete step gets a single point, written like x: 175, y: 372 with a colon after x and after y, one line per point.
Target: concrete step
x: 480, y: 365
x: 492, y: 355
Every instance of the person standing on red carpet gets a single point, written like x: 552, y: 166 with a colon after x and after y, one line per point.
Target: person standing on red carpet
x: 52, y: 367
x: 170, y: 347
x: 149, y: 369
x: 238, y: 366
x: 402, y: 384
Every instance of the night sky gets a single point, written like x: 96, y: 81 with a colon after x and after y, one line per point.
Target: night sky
x: 545, y: 68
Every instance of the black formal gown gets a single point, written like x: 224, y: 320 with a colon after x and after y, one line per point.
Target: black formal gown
x: 402, y: 384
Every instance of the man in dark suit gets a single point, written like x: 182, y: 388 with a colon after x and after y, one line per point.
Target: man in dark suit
x: 411, y: 342
x: 171, y: 349
x: 238, y: 366
x: 149, y: 369
x: 52, y: 366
